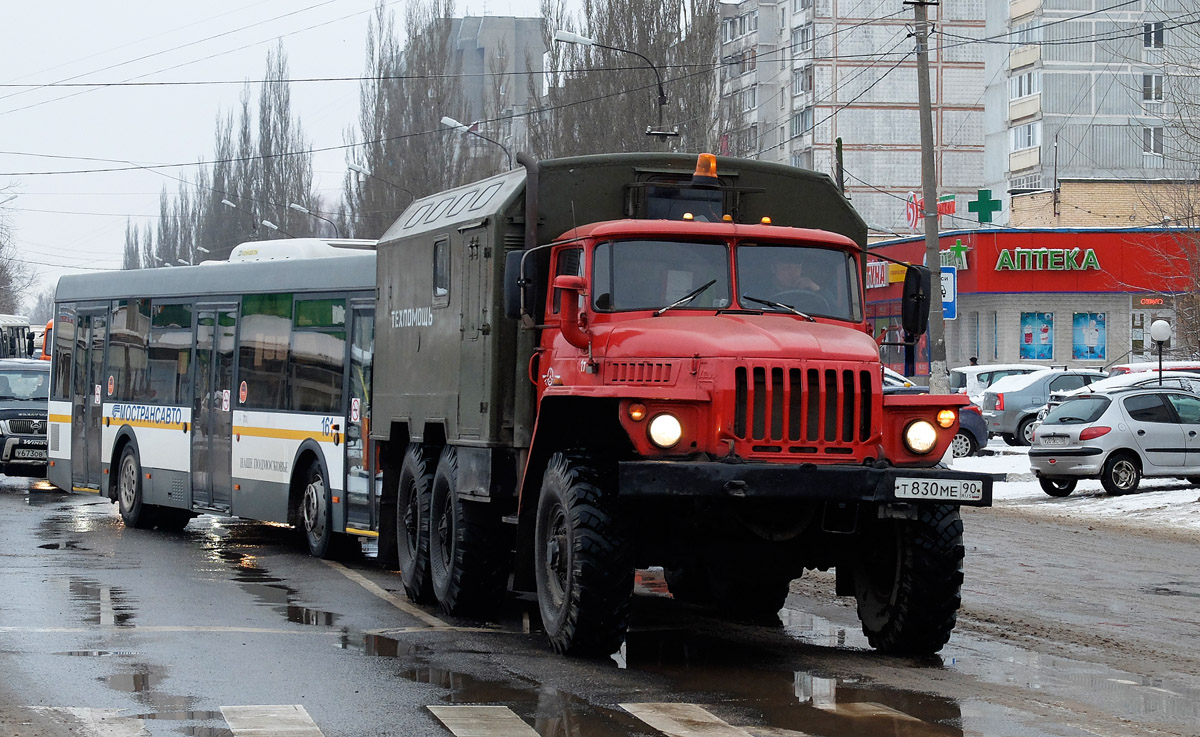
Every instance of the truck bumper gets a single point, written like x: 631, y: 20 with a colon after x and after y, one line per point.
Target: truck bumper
x: 681, y: 479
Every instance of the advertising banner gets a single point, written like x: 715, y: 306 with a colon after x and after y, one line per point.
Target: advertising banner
x: 1088, y: 336
x: 1037, y: 336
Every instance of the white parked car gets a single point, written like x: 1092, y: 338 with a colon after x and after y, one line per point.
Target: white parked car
x: 973, y: 380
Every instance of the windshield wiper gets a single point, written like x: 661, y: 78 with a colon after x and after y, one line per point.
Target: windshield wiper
x: 686, y: 298
x: 778, y: 306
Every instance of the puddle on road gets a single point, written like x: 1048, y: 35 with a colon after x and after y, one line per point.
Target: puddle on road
x: 102, y: 605
x: 272, y: 591
x: 143, y: 679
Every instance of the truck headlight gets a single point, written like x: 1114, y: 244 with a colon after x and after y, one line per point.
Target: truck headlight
x: 665, y: 430
x: 920, y: 437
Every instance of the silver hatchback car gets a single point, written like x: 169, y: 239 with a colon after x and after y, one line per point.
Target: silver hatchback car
x: 1011, y: 405
x: 1118, y: 437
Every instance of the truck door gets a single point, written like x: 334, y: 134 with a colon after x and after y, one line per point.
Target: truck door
x: 86, y: 407
x: 476, y: 329
x: 361, y: 512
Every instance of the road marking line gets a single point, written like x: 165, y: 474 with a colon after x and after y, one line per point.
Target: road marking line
x: 389, y: 597
x: 95, y: 722
x: 684, y: 720
x: 289, y: 720
x: 482, y: 721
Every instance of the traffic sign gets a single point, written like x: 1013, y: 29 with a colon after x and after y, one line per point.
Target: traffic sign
x: 950, y: 292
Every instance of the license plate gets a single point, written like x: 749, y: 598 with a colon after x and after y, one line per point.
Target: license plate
x: 30, y: 454
x: 963, y: 490
x: 1054, y: 439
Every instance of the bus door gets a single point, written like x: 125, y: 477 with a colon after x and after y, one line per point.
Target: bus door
x: 212, y: 415
x: 86, y: 392
x: 360, y: 458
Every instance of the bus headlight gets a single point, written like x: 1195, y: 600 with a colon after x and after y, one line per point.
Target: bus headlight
x: 665, y: 430
x: 920, y: 437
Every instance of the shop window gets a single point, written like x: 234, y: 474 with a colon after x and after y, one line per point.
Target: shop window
x: 1088, y: 336
x: 1037, y: 336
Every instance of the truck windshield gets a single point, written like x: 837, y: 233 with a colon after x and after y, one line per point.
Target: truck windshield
x: 815, y: 281
x: 651, y: 274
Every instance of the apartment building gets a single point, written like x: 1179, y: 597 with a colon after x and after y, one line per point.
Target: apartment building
x: 1082, y: 89
x: 797, y: 75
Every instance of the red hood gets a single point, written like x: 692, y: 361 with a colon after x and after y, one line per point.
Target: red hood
x: 733, y: 336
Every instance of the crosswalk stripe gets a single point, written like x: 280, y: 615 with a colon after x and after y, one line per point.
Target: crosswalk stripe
x: 482, y: 721
x: 684, y: 720
x: 93, y: 722
x: 289, y: 720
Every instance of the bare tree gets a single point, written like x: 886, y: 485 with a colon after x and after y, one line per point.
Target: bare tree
x: 603, y: 100
x: 407, y: 86
x: 132, y: 258
x: 15, y: 274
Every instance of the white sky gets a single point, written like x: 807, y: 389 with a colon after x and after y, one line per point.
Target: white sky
x: 66, y: 222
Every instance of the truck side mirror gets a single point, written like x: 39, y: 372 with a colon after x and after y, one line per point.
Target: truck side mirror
x: 515, y: 283
x: 569, y: 288
x: 914, y: 306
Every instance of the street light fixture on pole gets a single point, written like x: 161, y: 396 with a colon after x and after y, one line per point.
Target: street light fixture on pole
x: 367, y: 173
x: 662, y: 133
x: 452, y: 123
x: 1160, y: 332
x: 8, y: 199
x: 276, y: 228
x: 300, y: 208
x: 181, y: 262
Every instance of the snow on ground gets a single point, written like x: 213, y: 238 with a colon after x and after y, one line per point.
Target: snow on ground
x: 1166, y: 505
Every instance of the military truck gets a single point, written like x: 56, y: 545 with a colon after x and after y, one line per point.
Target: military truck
x: 587, y: 366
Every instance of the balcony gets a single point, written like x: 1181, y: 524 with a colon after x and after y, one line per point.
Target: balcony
x: 1024, y: 107
x: 1023, y: 56
x: 1024, y: 159
x: 1018, y: 8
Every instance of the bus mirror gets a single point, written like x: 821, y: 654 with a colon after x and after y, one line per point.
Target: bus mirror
x: 514, y: 285
x: 914, y: 306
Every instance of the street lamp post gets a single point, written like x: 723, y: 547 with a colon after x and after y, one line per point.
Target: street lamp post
x: 276, y: 228
x: 232, y: 206
x: 1160, y: 332
x: 300, y: 208
x: 452, y: 123
x: 367, y: 173
x: 662, y: 133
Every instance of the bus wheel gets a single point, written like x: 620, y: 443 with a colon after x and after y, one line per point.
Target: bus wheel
x: 314, y: 512
x: 467, y: 567
x: 583, y: 562
x: 134, y: 512
x: 908, y: 582
x: 415, y: 487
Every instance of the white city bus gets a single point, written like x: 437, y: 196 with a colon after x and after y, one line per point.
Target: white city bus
x: 236, y: 388
x: 14, y: 337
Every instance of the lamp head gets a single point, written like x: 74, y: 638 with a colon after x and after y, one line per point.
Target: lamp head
x: 1160, y: 331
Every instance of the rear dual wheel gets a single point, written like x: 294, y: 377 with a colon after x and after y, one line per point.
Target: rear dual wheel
x: 415, y: 489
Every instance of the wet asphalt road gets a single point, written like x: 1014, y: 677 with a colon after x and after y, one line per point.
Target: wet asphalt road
x: 1065, y: 631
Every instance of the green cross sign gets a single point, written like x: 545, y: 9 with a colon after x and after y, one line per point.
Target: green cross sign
x: 985, y: 206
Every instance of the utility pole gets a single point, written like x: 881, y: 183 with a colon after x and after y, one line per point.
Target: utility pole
x: 939, y: 379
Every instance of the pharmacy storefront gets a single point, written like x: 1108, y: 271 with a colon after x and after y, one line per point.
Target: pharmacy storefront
x: 1074, y: 297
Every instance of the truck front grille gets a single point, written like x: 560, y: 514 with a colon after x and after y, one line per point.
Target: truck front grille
x: 803, y: 410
